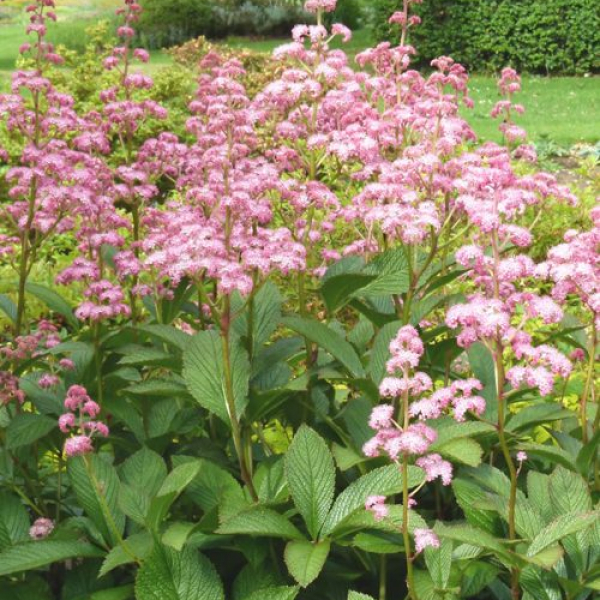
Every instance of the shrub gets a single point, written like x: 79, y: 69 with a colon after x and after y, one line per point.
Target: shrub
x: 540, y: 36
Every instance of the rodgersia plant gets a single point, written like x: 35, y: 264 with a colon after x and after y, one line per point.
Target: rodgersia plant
x: 303, y: 346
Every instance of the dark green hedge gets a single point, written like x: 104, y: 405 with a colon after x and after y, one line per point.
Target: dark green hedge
x: 538, y: 36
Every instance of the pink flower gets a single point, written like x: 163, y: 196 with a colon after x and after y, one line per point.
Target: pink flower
x: 376, y: 505
x: 41, y: 529
x: 78, y: 445
x: 425, y: 538
x: 314, y: 6
x: 434, y: 467
x: 381, y: 417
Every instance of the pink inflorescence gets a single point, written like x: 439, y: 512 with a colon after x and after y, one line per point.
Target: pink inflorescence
x: 80, y: 420
x: 41, y: 529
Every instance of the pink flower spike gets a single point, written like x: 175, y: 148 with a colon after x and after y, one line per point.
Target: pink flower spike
x: 41, y: 529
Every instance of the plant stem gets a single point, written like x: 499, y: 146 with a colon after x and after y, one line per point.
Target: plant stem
x: 230, y: 400
x: 588, y: 386
x: 383, y: 563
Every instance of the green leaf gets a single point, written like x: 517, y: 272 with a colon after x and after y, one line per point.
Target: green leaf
x: 53, y: 301
x: 551, y: 453
x: 568, y: 492
x: 381, y: 350
x: 305, y: 560
x: 564, y: 525
x: 145, y: 471
x: 97, y: 491
x: 135, y: 547
x: 465, y: 450
x: 33, y: 555
x: 8, y: 307
x: 330, y: 341
x: 538, y: 492
x: 337, y: 291
x: 170, y: 575
x: 169, y: 335
x: 384, y: 481
x: 537, y: 414
x: 26, y: 428
x: 471, y: 535
x: 177, y: 534
x: 275, y: 593
x: 357, y: 596
x: 476, y: 576
x: 14, y: 520
x: 310, y: 474
x: 439, y: 562
x: 121, y: 593
x: 482, y: 363
x: 266, y: 315
x: 260, y: 522
x: 204, y: 372
x: 177, y: 480
x: 541, y: 585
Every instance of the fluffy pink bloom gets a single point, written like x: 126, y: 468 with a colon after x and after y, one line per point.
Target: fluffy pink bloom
x: 435, y: 466
x: 425, y: 538
x: 376, y: 505
x: 78, y: 445
x: 41, y: 529
x: 317, y: 5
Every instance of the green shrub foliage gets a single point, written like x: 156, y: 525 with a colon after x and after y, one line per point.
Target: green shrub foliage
x: 539, y: 36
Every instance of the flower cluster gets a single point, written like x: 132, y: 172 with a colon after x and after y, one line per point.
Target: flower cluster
x: 81, y: 422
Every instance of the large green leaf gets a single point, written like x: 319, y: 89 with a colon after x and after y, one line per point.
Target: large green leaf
x: 204, y: 372
x: 561, y: 527
x: 14, y: 520
x: 135, y: 547
x: 537, y: 414
x: 266, y: 315
x: 330, y: 341
x: 170, y: 575
x: 145, y: 471
x: 381, y: 350
x: 96, y: 486
x: 260, y: 522
x: 26, y: 428
x: 168, y: 334
x: 33, y: 555
x: 568, y: 492
x: 310, y: 474
x: 275, y: 593
x: 305, y: 560
x: 8, y: 307
x: 53, y: 301
x: 174, y: 484
x: 358, y: 596
x: 439, y: 562
x: 337, y: 291
x: 384, y: 481
x: 465, y: 450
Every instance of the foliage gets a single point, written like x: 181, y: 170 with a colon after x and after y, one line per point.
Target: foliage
x: 538, y: 36
x: 312, y: 340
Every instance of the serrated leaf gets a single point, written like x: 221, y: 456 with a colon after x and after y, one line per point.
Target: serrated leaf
x: 384, y: 481
x: 568, y: 492
x: 331, y: 341
x: 260, y: 521
x: 305, y: 560
x: 135, y: 547
x: 310, y: 474
x: 144, y: 470
x: 465, y: 450
x: 177, y: 480
x: 439, y: 562
x: 27, y: 428
x: 266, y: 315
x: 14, y: 520
x: 536, y: 414
x: 381, y: 350
x: 337, y: 290
x: 8, y: 307
x: 97, y: 489
x: 561, y: 527
x: 33, y: 555
x: 275, y: 593
x: 357, y: 596
x: 121, y: 593
x: 204, y: 372
x: 551, y: 453
x: 542, y: 585
x: 55, y: 302
x: 170, y: 575
x: 168, y: 334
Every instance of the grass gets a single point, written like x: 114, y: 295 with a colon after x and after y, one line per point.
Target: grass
x: 563, y: 110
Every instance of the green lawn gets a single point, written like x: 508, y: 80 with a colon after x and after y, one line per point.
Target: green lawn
x: 563, y: 110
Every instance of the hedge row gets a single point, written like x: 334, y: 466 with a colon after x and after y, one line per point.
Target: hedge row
x: 538, y: 36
